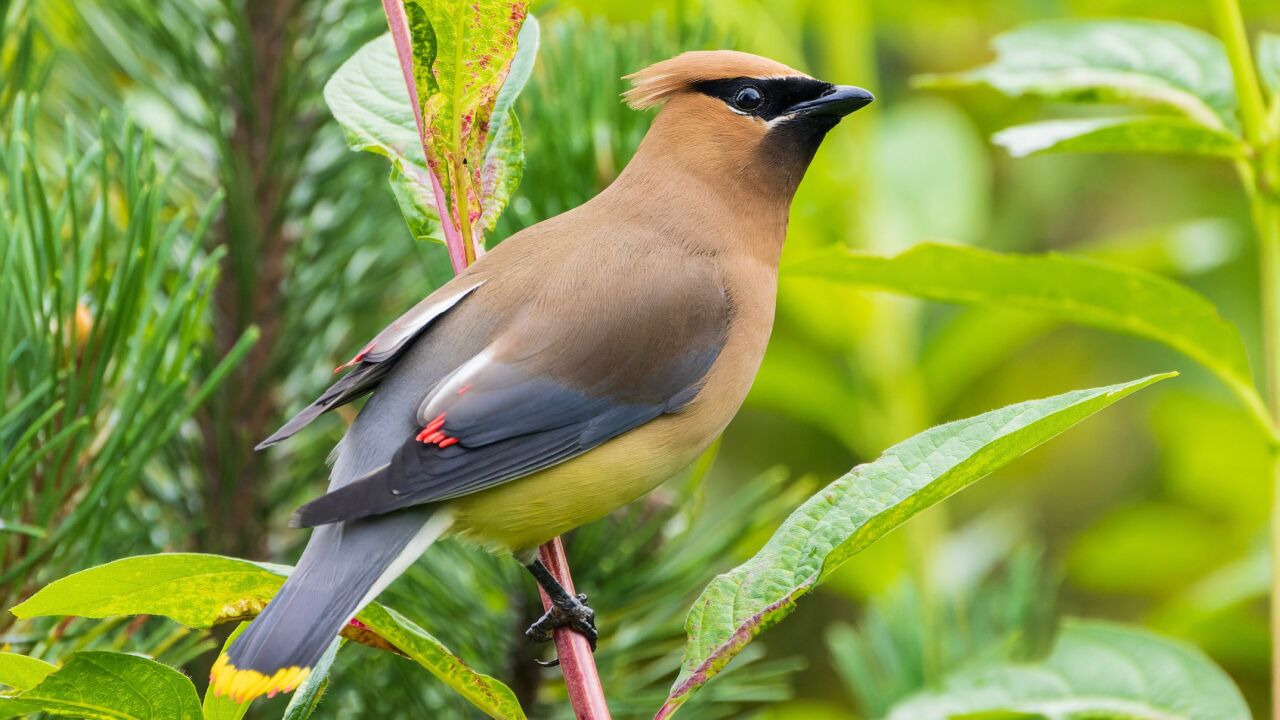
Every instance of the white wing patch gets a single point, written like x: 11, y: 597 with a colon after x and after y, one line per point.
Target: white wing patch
x: 454, y: 384
x: 407, y: 325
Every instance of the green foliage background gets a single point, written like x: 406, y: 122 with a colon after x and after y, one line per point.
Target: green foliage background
x: 1154, y: 512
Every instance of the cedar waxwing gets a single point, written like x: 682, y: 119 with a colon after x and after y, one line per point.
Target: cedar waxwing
x: 569, y: 371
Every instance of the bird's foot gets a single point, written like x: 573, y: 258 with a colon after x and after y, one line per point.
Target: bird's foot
x: 571, y: 612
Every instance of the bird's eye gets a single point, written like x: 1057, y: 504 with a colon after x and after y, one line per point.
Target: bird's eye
x: 748, y: 99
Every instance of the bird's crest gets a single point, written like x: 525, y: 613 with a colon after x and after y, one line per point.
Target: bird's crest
x: 654, y: 84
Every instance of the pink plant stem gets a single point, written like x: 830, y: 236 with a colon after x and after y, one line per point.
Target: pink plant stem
x: 576, y: 659
x: 399, y: 24
x: 586, y: 694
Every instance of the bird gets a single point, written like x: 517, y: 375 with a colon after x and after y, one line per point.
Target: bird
x: 569, y: 371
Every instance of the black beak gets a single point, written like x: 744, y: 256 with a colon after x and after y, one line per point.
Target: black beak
x: 839, y: 101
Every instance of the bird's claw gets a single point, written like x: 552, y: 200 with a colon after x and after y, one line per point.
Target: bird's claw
x: 574, y: 614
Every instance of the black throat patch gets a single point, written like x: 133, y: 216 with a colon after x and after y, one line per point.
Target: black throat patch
x: 776, y: 95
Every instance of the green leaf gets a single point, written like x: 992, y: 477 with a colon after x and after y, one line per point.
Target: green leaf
x: 483, y: 691
x: 1144, y: 134
x: 368, y: 98
x: 858, y: 509
x: 193, y: 589
x: 1269, y: 60
x: 1134, y: 62
x: 307, y: 697
x: 413, y: 193
x: 1072, y: 289
x: 201, y: 590
x: 10, y: 708
x: 1096, y: 670
x: 21, y: 672
x: 114, y: 686
x: 221, y: 707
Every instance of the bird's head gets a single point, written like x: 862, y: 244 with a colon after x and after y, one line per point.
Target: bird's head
x: 733, y: 112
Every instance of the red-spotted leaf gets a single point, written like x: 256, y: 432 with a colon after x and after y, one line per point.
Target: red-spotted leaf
x: 435, y: 96
x: 472, y: 45
x: 504, y: 156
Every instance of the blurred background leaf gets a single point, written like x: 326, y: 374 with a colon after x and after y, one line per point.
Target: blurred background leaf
x: 1173, y: 136
x: 1141, y: 62
x: 1095, y: 669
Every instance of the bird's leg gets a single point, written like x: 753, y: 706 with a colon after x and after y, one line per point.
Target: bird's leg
x: 566, y: 610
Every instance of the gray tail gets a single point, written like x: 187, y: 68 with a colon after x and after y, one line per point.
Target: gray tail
x: 343, y: 567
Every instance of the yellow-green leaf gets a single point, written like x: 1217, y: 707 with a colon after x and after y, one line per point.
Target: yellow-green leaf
x: 504, y: 157
x: 369, y: 99
x: 193, y: 589
x: 307, y: 697
x: 21, y: 672
x: 201, y: 590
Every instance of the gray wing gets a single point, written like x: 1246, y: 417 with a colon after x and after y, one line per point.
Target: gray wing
x: 509, y: 413
x: 374, y: 361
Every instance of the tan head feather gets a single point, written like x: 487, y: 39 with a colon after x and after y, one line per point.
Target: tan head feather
x: 659, y: 81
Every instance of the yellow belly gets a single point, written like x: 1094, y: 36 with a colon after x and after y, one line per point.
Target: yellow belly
x: 523, y: 514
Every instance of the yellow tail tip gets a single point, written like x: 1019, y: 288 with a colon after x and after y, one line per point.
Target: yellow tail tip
x: 245, y: 685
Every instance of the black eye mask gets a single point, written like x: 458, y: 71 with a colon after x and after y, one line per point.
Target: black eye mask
x: 776, y: 95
